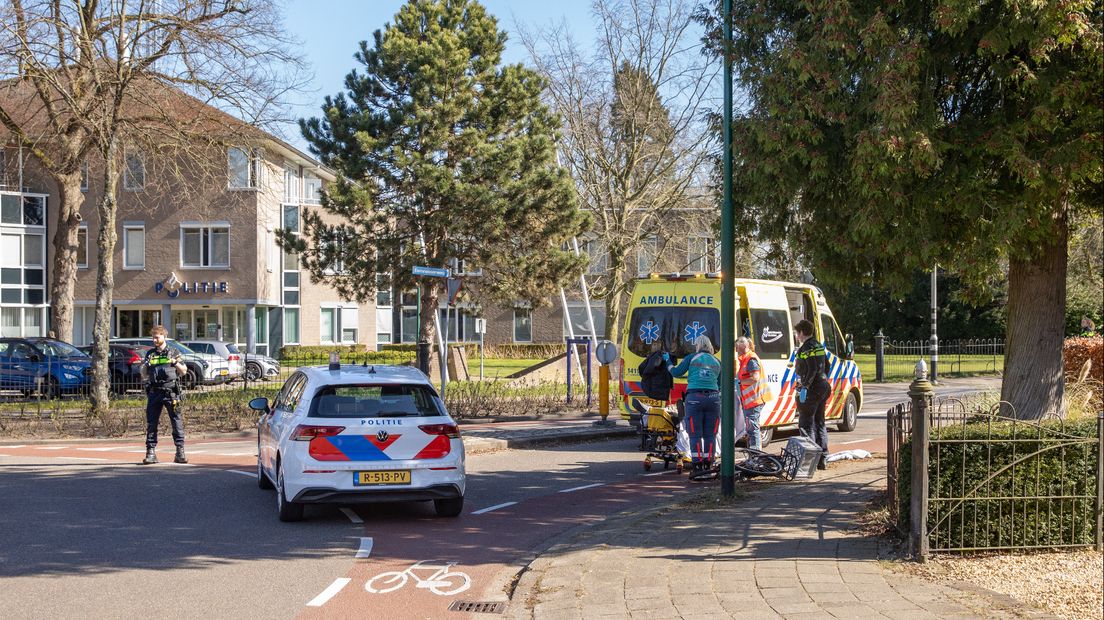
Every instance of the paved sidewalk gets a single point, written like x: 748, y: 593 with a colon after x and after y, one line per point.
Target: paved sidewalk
x: 487, y: 436
x: 787, y: 550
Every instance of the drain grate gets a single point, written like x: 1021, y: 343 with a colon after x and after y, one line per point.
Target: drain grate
x: 479, y: 607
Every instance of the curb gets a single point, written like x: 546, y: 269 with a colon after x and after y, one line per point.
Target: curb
x: 478, y: 445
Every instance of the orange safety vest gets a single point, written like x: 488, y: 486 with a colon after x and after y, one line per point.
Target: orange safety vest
x: 753, y: 392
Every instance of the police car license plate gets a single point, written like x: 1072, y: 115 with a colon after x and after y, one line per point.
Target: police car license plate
x: 397, y: 476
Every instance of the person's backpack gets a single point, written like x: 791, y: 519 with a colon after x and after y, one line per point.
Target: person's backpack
x: 655, y: 380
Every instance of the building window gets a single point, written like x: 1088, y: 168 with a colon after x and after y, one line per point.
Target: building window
x: 699, y: 253
x: 244, y: 167
x: 82, y: 247
x: 22, y: 210
x: 646, y: 254
x: 205, y: 246
x: 596, y: 249
x: 84, y: 177
x: 134, y: 172
x: 134, y: 247
x: 312, y: 189
x: 291, y: 184
x: 291, y: 325
x: 291, y: 218
x: 383, y: 290
x: 328, y: 326
x: 523, y: 325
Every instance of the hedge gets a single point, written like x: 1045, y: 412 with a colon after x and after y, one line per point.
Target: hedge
x: 301, y: 356
x: 1001, y: 523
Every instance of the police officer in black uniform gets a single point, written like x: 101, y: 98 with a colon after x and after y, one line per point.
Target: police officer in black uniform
x: 812, y: 372
x: 161, y: 370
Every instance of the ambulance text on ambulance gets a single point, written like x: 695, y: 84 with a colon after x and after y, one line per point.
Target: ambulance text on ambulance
x: 675, y: 300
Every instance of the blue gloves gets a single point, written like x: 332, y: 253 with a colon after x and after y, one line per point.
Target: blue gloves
x: 801, y: 396
x: 666, y: 357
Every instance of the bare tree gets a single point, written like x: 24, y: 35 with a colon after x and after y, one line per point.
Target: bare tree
x: 161, y: 74
x: 634, y: 136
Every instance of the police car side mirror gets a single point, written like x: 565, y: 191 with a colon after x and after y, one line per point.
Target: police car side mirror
x: 259, y: 404
x: 850, y: 346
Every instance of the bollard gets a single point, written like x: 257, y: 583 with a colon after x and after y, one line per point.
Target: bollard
x: 920, y: 391
x: 879, y: 356
x: 423, y: 357
x: 603, y: 392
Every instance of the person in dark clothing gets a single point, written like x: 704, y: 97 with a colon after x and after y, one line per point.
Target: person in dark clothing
x: 811, y: 366
x: 655, y: 380
x: 161, y: 370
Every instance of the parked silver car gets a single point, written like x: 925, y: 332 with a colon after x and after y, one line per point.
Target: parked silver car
x: 260, y: 367
x: 224, y: 350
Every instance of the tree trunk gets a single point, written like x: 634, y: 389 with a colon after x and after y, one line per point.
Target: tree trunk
x: 105, y: 283
x: 70, y: 198
x: 613, y: 301
x: 427, y: 330
x: 1034, y: 377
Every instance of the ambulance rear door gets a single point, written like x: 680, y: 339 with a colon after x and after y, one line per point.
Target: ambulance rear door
x: 765, y: 318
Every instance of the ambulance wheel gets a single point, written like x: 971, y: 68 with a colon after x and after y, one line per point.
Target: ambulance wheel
x: 765, y: 435
x: 850, y: 415
x: 647, y: 464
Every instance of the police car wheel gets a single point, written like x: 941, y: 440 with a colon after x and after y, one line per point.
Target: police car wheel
x: 289, y: 511
x: 850, y: 414
x: 449, y: 507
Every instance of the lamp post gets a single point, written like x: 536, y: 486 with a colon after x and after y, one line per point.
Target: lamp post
x: 728, y: 266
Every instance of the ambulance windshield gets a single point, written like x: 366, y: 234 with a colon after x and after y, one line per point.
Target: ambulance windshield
x: 675, y: 327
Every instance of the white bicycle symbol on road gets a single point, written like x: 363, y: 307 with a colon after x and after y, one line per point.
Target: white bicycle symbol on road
x: 442, y: 582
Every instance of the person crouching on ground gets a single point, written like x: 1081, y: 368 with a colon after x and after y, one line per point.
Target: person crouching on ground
x: 161, y: 370
x: 703, y: 400
x: 754, y: 391
x: 812, y: 397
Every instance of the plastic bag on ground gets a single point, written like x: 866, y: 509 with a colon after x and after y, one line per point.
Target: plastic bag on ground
x: 848, y: 455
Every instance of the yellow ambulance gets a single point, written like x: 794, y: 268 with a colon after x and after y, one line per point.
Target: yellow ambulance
x: 674, y: 309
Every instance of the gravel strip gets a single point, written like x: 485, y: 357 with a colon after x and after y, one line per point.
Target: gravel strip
x: 1067, y: 584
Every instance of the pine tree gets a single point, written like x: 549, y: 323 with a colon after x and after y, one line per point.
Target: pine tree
x: 443, y: 154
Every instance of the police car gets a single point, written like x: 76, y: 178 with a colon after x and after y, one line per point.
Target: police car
x: 350, y: 434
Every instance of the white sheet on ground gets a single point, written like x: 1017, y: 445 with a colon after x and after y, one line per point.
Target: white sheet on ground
x: 848, y: 455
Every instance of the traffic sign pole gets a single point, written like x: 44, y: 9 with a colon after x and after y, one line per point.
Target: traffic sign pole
x: 728, y: 282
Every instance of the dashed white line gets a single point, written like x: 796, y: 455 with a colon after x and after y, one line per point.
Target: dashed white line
x: 244, y: 473
x: 586, y: 486
x: 83, y: 458
x: 329, y: 592
x: 492, y: 508
x: 52, y: 447
x: 254, y: 453
x: 98, y: 449
x: 354, y: 517
x: 19, y: 446
x: 365, y: 548
x: 658, y: 473
x: 844, y: 443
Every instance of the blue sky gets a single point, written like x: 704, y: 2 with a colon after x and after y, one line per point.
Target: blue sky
x: 331, y: 32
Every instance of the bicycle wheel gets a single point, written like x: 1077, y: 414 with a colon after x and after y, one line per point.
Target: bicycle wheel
x: 389, y: 582
x: 760, y: 464
x: 459, y: 582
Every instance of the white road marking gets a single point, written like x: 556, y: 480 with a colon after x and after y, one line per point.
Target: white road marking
x: 253, y: 453
x: 244, y: 473
x: 658, y: 473
x: 82, y: 458
x: 495, y: 507
x: 587, y: 486
x: 354, y: 517
x: 329, y: 592
x: 365, y: 548
x: 19, y: 446
x: 844, y: 443
x: 98, y: 449
x: 53, y: 447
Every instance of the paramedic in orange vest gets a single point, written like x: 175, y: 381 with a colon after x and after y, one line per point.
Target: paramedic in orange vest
x: 754, y: 391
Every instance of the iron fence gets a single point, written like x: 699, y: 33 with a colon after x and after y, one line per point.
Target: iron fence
x: 896, y: 358
x: 995, y: 482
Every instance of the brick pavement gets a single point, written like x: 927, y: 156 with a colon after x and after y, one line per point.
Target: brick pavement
x: 786, y: 550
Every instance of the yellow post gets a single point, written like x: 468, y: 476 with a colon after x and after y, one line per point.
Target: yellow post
x: 603, y: 391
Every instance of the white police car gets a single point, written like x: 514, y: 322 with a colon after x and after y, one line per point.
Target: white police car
x: 347, y: 434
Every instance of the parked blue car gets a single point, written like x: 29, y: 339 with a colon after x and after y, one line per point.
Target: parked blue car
x: 49, y: 366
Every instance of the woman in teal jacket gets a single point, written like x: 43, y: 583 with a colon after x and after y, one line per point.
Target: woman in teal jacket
x: 703, y: 400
